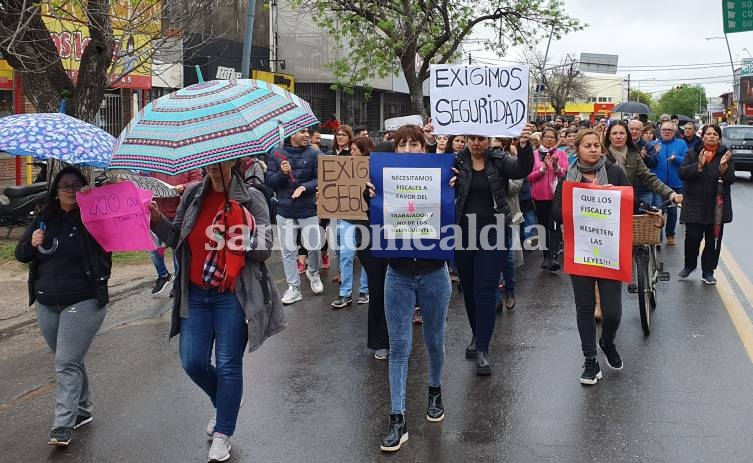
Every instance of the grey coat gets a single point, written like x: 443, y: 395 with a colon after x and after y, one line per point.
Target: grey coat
x: 255, y: 288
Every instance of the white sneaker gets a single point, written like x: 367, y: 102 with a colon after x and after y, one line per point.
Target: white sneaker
x: 220, y: 449
x: 293, y: 294
x: 211, y: 425
x: 316, y: 283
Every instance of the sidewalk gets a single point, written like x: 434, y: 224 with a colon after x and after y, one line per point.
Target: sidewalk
x: 15, y: 312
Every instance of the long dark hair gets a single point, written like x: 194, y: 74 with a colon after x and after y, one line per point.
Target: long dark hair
x: 630, y: 143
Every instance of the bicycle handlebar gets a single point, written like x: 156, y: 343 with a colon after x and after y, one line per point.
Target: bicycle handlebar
x: 648, y: 208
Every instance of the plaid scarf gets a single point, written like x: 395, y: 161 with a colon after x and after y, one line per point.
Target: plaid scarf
x: 230, y: 243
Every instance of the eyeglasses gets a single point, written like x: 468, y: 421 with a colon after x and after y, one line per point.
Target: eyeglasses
x: 70, y: 187
x: 667, y: 130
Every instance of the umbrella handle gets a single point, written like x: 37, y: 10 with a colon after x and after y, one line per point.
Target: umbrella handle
x: 53, y: 248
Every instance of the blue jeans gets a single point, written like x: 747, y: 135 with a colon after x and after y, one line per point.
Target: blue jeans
x: 346, y: 238
x: 218, y: 318
x: 529, y: 219
x: 671, y: 213
x: 401, y: 293
x: 159, y: 263
x: 479, y: 276
x: 645, y: 198
x: 508, y: 262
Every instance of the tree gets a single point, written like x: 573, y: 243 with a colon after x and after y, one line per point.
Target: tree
x: 683, y: 99
x: 387, y: 36
x: 123, y: 36
x: 642, y: 97
x: 560, y: 83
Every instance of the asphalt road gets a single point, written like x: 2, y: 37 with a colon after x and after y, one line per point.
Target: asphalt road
x: 315, y: 393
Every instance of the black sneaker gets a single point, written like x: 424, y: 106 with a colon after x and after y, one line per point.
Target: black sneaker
x: 82, y: 420
x: 685, y: 272
x: 554, y: 265
x: 363, y: 298
x: 342, y: 301
x: 708, y: 278
x: 470, y: 351
x: 161, y: 283
x: 591, y: 372
x: 435, y: 409
x: 483, y: 367
x: 613, y: 357
x: 545, y: 263
x: 60, y: 436
x: 397, y: 435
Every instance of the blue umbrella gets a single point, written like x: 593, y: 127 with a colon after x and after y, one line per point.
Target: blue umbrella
x: 57, y: 136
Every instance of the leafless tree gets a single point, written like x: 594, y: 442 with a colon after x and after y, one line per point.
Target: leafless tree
x: 559, y: 83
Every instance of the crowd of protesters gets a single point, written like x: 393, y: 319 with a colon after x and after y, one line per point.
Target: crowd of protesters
x: 517, y: 179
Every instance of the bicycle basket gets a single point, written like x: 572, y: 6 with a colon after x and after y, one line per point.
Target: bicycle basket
x: 646, y: 230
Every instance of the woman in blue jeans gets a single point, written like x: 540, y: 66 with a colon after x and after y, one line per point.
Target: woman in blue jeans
x: 481, y: 206
x: 235, y: 303
x: 409, y: 281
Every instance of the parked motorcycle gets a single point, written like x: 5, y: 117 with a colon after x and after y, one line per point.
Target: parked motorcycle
x: 22, y: 206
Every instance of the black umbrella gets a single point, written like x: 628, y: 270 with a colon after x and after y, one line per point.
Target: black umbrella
x: 632, y: 107
x: 683, y: 119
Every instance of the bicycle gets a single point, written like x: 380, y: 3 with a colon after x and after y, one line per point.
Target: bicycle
x: 649, y: 270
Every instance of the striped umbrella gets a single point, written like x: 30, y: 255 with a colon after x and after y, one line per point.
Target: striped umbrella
x: 210, y: 122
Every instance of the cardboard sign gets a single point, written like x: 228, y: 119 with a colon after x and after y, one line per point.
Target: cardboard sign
x: 342, y: 180
x: 598, y: 230
x: 397, y: 122
x: 414, y: 205
x: 117, y: 216
x: 479, y: 100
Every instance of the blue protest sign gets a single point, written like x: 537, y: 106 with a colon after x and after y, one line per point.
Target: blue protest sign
x: 414, y: 206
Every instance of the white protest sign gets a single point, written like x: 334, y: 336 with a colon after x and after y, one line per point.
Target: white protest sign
x: 397, y: 122
x: 412, y: 203
x: 596, y: 224
x: 479, y: 100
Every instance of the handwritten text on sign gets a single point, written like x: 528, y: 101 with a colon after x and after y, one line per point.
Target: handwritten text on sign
x: 479, y: 100
x: 117, y: 216
x: 596, y: 223
x: 342, y: 180
x: 412, y: 203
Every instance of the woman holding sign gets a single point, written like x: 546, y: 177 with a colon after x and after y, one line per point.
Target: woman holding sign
x: 68, y: 273
x: 408, y: 281
x: 593, y: 167
x: 549, y: 165
x: 481, y: 199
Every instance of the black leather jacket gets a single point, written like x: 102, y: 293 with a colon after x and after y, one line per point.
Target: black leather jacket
x: 500, y: 167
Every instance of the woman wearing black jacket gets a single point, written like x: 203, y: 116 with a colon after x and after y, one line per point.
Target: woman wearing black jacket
x: 706, y: 172
x: 593, y: 167
x: 68, y: 273
x: 480, y: 195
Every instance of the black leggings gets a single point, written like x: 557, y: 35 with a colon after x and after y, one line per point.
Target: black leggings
x: 694, y: 233
x: 610, y: 291
x: 376, y: 270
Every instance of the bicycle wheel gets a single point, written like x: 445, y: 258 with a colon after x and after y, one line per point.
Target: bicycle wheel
x: 644, y: 298
x: 654, y: 272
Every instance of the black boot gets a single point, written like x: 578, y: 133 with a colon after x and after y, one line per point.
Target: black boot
x: 435, y: 409
x: 470, y: 351
x: 546, y: 262
x: 397, y: 435
x: 483, y: 368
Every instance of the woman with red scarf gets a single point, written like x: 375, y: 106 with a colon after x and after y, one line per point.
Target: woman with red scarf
x: 549, y: 165
x: 708, y: 174
x: 224, y: 295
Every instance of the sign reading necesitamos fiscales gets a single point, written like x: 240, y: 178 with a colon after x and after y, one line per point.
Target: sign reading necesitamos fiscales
x: 479, y: 100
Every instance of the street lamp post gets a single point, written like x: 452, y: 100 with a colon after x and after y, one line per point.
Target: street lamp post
x: 731, y: 63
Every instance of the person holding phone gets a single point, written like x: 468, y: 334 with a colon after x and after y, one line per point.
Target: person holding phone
x: 549, y: 165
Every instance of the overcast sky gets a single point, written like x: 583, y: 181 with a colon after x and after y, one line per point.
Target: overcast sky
x: 651, y: 33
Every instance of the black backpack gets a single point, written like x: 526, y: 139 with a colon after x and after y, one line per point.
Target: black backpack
x: 269, y: 195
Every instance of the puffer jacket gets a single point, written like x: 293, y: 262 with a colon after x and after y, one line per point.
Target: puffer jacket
x: 665, y: 169
x: 304, y: 162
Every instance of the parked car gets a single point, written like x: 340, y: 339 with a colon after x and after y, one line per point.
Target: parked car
x: 739, y: 139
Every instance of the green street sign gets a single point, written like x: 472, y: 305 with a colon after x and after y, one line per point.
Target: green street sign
x: 738, y: 15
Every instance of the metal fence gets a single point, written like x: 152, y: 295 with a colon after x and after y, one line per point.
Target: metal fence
x: 110, y: 116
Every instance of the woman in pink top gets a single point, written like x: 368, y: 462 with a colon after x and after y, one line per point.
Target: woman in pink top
x: 549, y: 165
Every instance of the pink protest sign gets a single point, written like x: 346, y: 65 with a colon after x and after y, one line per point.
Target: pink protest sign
x: 117, y: 216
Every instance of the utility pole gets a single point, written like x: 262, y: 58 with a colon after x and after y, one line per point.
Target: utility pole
x: 469, y: 59
x: 248, y: 38
x: 628, y: 82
